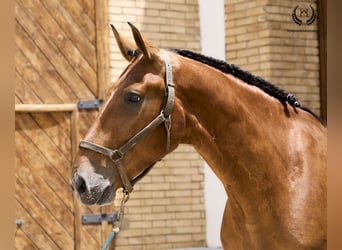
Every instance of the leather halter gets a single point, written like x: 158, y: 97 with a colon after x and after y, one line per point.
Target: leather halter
x: 116, y: 155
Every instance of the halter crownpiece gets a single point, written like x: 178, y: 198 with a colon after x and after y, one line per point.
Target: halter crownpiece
x: 116, y: 155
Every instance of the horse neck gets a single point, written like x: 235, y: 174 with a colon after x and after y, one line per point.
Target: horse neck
x: 226, y: 122
x: 269, y: 157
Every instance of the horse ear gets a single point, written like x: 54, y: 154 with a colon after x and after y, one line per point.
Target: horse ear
x: 128, y: 48
x: 145, y: 46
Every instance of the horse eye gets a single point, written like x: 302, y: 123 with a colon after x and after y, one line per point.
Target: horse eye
x: 133, y: 97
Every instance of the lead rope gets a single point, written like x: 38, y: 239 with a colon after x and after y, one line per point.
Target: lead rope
x: 118, y: 221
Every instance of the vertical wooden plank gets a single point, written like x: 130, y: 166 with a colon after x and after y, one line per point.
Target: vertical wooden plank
x: 74, y: 132
x: 86, y: 236
x: 77, y: 215
x: 102, y: 46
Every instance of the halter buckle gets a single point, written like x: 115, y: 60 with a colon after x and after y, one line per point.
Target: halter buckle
x: 115, y: 155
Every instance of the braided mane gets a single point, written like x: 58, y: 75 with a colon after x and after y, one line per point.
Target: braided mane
x: 246, y: 77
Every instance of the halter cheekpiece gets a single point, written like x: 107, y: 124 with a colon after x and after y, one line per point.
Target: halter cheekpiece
x: 116, y: 155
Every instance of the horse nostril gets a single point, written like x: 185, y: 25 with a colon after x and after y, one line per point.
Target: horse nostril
x: 80, y: 184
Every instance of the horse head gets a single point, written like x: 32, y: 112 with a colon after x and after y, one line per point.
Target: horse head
x: 133, y: 128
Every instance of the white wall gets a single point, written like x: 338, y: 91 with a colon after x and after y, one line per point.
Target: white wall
x: 212, y: 26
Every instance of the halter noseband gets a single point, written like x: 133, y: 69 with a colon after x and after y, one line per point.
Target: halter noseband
x: 116, y: 155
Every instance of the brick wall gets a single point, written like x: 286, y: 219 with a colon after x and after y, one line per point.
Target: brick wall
x: 262, y: 37
x: 166, y: 210
x: 167, y: 23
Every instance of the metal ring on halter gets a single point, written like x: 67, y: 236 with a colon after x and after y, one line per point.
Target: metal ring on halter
x: 115, y: 155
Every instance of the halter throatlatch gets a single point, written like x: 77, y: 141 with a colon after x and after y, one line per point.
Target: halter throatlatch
x: 116, y: 155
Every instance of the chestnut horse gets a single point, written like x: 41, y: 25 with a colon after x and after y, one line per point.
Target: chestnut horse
x: 268, y: 151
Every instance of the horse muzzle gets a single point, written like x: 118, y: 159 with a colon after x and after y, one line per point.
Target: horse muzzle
x: 92, y: 188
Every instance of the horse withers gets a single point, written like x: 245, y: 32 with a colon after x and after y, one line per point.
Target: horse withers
x: 268, y: 151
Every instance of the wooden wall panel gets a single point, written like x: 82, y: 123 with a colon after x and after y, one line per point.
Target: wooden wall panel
x: 81, y: 17
x: 33, y: 80
x: 88, y: 8
x: 56, y: 53
x: 23, y: 93
x: 44, y: 199
x: 70, y: 30
x: 42, y: 189
x: 59, y: 59
x: 31, y: 235
x: 38, y: 62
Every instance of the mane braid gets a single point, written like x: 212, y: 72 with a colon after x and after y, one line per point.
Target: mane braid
x: 247, y: 77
